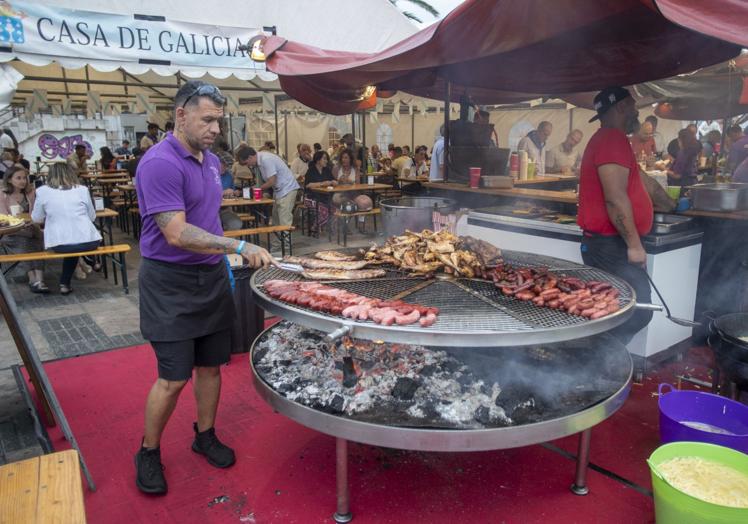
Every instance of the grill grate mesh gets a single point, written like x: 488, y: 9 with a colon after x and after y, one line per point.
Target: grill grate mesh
x: 471, y: 305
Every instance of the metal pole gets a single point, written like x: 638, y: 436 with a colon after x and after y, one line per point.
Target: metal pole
x: 285, y: 134
x: 583, y: 459
x: 343, y: 513
x: 353, y: 126
x: 231, y: 133
x: 447, y: 98
x: 275, y: 110
x: 412, y: 129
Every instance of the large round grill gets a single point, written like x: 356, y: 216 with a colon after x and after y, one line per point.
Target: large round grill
x: 472, y: 312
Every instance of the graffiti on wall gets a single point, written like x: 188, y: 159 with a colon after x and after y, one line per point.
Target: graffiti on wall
x: 51, y: 147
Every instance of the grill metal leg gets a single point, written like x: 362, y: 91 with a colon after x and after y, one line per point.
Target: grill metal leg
x: 583, y: 459
x: 343, y: 513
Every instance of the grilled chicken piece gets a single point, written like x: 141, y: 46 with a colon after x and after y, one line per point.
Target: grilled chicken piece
x: 334, y: 256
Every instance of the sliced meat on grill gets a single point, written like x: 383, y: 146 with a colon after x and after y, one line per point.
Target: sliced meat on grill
x: 319, y: 297
x: 313, y: 263
x: 334, y: 256
x: 342, y: 274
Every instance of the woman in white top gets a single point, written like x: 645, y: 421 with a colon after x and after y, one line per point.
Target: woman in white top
x: 345, y: 173
x: 66, y: 209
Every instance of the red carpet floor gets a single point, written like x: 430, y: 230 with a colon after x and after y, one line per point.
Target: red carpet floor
x: 286, y: 473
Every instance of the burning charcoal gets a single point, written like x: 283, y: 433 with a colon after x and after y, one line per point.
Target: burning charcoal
x: 366, y: 364
x: 349, y: 373
x: 465, y: 379
x: 285, y: 362
x: 336, y: 405
x: 427, y: 371
x: 405, y: 388
x: 450, y: 365
x: 483, y: 415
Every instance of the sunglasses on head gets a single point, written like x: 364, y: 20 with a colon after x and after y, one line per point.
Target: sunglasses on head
x: 208, y: 90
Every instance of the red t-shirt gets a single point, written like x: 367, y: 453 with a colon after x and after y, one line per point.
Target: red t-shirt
x: 610, y: 146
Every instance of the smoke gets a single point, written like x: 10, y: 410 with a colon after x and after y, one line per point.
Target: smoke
x: 581, y: 372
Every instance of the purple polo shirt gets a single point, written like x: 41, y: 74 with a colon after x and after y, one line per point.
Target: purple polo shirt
x: 170, y: 178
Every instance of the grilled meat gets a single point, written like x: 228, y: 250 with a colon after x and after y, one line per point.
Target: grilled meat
x: 314, y: 263
x: 590, y: 299
x: 428, y: 252
x: 334, y: 256
x: 319, y: 297
x: 343, y: 274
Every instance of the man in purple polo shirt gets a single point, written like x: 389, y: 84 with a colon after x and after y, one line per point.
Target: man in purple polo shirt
x: 186, y: 308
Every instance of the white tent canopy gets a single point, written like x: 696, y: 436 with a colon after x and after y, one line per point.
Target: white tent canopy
x: 58, y: 55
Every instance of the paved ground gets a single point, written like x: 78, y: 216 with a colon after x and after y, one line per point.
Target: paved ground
x: 95, y: 317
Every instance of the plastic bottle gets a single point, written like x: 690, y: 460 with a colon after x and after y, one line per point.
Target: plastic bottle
x: 523, y: 158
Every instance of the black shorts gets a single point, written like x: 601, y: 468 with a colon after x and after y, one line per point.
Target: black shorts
x: 176, y: 359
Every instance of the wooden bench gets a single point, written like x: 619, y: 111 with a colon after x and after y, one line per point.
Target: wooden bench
x: 246, y: 217
x: 253, y: 235
x: 345, y: 218
x: 42, y: 489
x: 116, y: 253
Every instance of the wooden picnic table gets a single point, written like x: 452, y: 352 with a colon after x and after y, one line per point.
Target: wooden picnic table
x: 231, y: 202
x: 349, y: 188
x: 42, y: 489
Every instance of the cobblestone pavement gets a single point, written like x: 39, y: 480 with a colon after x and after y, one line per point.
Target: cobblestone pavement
x: 97, y: 316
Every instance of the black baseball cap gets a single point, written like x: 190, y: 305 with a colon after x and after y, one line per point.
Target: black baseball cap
x: 607, y: 98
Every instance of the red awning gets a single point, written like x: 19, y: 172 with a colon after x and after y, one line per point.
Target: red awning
x: 503, y: 49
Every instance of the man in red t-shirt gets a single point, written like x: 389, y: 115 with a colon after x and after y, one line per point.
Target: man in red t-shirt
x: 615, y: 209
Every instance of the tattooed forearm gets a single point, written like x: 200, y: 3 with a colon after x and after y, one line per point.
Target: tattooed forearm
x: 194, y: 238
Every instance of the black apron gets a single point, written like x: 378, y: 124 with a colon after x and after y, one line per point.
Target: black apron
x: 183, y: 302
x: 610, y: 254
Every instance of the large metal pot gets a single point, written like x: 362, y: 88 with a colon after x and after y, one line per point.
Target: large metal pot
x: 729, y: 340
x: 720, y: 197
x: 413, y: 213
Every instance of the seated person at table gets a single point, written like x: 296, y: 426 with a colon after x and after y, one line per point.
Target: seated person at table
x: 403, y: 164
x: 375, y: 157
x: 66, y: 209
x: 300, y: 164
x: 421, y: 169
x: 318, y: 175
x: 230, y: 221
x: 346, y: 174
x: 565, y: 158
x: 18, y: 193
x: 683, y: 171
x: 77, y: 160
x: 107, y: 162
x: 124, y: 149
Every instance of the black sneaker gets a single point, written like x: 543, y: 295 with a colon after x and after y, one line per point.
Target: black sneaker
x: 150, y: 472
x: 218, y: 454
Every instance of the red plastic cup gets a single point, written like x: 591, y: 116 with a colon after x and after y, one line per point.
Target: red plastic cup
x: 257, y: 193
x: 474, y: 177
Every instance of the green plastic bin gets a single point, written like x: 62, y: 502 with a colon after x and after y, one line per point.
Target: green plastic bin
x: 672, y: 506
